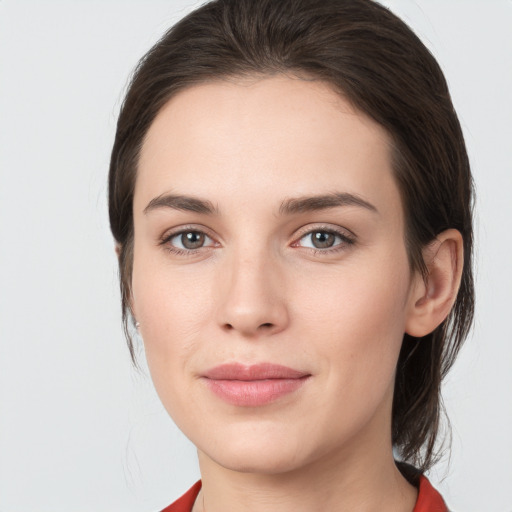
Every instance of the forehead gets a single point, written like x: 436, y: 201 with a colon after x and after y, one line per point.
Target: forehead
x: 272, y: 135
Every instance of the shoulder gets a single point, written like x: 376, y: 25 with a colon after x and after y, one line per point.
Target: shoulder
x: 186, y: 502
x: 429, y: 499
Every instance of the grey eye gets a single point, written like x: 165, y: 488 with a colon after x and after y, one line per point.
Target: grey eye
x: 322, y: 239
x: 192, y: 239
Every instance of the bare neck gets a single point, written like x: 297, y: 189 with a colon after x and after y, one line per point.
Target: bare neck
x: 333, y: 482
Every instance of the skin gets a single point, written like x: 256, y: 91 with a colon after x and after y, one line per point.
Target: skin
x: 259, y: 291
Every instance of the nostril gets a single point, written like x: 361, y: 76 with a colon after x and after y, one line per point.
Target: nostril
x: 267, y: 325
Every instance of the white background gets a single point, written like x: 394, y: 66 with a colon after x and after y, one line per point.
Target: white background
x: 80, y: 430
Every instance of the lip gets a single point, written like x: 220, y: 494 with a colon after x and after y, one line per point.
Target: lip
x: 253, y: 385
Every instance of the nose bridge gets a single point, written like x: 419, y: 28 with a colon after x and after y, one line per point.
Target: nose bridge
x: 253, y: 292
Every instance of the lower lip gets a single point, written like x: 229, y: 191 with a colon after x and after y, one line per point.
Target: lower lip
x: 254, y: 393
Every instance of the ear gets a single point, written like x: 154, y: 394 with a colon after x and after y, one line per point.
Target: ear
x: 118, y: 249
x: 432, y: 298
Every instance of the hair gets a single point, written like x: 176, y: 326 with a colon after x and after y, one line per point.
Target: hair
x: 372, y: 58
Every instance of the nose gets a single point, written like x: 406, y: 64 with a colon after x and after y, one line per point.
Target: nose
x: 252, y: 300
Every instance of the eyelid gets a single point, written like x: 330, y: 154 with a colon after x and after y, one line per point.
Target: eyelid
x: 347, y: 236
x: 168, y: 235
x: 180, y: 234
x: 332, y: 228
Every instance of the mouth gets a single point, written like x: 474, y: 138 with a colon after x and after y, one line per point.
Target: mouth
x: 253, y: 385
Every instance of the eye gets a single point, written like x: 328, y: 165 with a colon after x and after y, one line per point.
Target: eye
x: 189, y: 240
x: 326, y: 239
x: 320, y: 239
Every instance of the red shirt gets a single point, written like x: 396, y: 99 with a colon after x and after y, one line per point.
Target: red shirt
x: 429, y: 500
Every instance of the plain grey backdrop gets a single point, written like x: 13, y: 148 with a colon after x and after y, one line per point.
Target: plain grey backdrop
x: 80, y: 430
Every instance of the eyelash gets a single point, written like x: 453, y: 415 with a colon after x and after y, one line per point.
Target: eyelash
x: 165, y: 241
x: 345, y: 240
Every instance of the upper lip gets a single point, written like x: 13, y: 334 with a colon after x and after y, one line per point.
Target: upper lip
x: 261, y: 371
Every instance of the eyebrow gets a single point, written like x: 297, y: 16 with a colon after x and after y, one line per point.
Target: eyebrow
x: 288, y: 206
x: 181, y: 202
x: 323, y: 202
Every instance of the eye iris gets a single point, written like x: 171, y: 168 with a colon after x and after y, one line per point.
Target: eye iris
x: 322, y: 239
x: 192, y: 240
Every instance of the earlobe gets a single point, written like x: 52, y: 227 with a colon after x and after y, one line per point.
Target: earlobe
x: 431, y: 300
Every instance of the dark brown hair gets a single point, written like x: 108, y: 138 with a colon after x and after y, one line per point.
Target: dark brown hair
x: 375, y: 61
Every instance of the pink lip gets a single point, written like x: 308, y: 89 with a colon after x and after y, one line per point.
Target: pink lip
x: 254, y: 385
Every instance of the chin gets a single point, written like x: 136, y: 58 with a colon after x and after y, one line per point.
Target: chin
x: 256, y: 450
x: 258, y: 461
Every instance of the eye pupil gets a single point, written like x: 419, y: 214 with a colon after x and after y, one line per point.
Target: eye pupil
x: 322, y: 239
x: 192, y: 239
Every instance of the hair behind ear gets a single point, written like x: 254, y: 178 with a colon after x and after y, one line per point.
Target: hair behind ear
x: 418, y: 383
x: 433, y: 299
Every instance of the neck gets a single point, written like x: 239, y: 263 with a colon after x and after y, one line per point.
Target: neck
x: 336, y: 482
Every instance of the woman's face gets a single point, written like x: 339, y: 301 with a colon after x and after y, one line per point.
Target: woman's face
x: 270, y: 275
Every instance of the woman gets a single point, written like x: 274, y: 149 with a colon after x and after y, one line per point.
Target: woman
x: 290, y: 196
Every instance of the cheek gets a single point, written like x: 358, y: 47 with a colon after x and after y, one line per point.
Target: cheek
x: 360, y: 301
x: 171, y: 307
x: 170, y: 324
x: 357, y: 320
x: 168, y: 301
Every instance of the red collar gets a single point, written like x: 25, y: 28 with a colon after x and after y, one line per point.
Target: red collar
x: 429, y: 500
